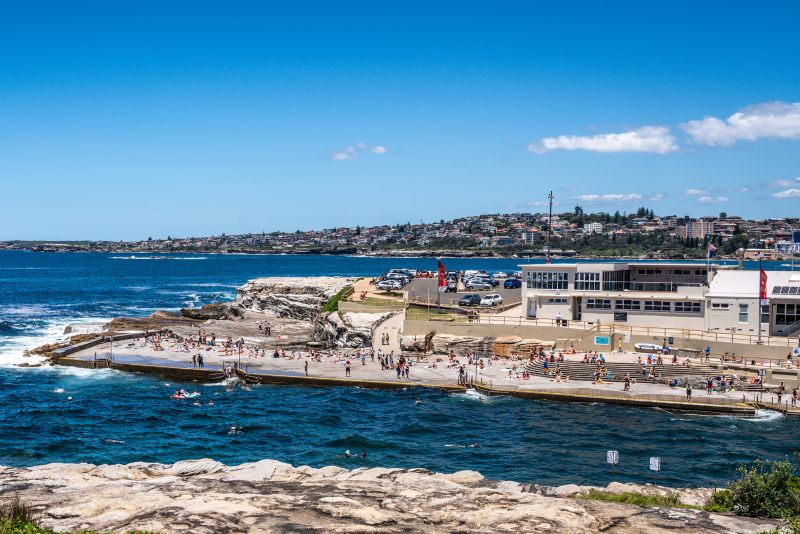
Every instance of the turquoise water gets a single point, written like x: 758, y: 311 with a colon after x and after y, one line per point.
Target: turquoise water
x: 115, y: 417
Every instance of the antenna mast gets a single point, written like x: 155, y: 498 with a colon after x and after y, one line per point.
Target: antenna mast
x: 549, y: 226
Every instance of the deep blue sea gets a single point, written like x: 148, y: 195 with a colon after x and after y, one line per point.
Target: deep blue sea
x: 116, y: 417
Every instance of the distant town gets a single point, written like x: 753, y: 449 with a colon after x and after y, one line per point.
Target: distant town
x: 573, y: 233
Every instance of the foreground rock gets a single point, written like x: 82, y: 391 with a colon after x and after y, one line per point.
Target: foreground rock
x: 204, y: 496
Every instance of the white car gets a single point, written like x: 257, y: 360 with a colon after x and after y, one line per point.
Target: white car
x: 500, y: 276
x: 492, y: 299
x: 388, y: 285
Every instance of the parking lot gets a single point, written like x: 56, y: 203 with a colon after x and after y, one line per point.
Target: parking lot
x: 423, y: 288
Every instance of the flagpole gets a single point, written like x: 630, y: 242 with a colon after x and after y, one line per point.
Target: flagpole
x: 758, y: 302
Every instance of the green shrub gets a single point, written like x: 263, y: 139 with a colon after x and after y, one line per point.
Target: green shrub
x: 16, y: 510
x: 766, y: 489
x: 670, y: 500
x: 333, y: 303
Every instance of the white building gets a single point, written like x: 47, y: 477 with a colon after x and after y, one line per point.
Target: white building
x: 593, y: 228
x: 668, y: 295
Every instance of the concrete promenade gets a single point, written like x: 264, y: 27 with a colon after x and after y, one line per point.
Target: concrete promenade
x: 430, y: 371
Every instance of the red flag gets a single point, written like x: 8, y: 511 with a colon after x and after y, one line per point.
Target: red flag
x: 763, y: 285
x: 442, y: 277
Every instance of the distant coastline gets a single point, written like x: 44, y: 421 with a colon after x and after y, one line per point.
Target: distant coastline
x: 385, y: 253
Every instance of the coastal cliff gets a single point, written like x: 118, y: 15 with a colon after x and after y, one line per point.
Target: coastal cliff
x: 205, y: 496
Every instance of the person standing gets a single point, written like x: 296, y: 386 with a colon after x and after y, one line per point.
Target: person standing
x: 306, y: 367
x: 794, y: 398
x: 780, y: 391
x: 688, y: 390
x: 347, y: 368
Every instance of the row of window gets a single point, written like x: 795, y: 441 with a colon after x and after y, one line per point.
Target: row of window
x: 679, y: 272
x: 591, y: 281
x: 548, y: 280
x: 649, y: 305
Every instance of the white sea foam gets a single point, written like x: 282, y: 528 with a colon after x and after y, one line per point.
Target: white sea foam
x: 13, y: 347
x: 157, y: 258
x: 766, y: 416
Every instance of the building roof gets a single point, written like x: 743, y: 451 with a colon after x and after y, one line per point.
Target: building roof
x: 745, y: 284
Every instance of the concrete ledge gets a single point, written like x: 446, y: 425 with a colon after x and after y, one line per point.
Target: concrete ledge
x: 210, y: 375
x: 737, y: 408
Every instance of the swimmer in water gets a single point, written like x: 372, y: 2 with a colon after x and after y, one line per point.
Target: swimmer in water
x: 418, y: 401
x: 69, y: 398
x: 211, y: 403
x: 347, y: 453
x: 473, y: 445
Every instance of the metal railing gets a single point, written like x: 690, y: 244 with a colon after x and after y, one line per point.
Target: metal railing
x: 649, y: 331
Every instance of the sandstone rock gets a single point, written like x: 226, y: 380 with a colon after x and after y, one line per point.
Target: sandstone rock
x: 444, y: 343
x: 298, y: 298
x: 204, y: 497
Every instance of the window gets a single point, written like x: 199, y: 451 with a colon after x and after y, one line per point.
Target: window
x: 719, y: 305
x: 548, y: 280
x: 598, y: 304
x: 683, y: 272
x: 687, y: 307
x: 743, y: 313
x: 657, y: 305
x: 701, y: 272
x: 556, y: 301
x: 765, y: 314
x: 650, y: 271
x: 787, y: 314
x: 587, y: 281
x: 627, y: 305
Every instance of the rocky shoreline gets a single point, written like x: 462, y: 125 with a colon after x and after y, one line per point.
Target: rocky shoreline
x: 293, y: 306
x: 205, y: 496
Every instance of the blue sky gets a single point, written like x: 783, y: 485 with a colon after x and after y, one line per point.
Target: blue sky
x: 128, y: 120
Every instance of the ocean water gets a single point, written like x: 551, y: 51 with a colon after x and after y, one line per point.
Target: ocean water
x: 115, y: 417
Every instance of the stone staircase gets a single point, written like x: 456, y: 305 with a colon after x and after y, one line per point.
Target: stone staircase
x: 583, y: 371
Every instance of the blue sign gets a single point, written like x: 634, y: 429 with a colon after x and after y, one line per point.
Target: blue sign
x: 601, y: 340
x: 796, y: 237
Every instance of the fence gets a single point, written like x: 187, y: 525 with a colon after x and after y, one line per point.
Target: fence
x: 745, y: 339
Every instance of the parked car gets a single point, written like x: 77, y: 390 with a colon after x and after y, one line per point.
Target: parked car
x: 388, y: 285
x: 512, y: 283
x: 470, y: 299
x: 492, y: 299
x: 477, y: 284
x: 500, y: 275
x: 517, y: 274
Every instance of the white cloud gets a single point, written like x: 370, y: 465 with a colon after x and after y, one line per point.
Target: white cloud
x: 610, y: 197
x: 351, y: 152
x: 696, y: 192
x: 785, y: 183
x: 655, y: 139
x: 739, y: 189
x: 788, y: 193
x: 778, y: 120
x: 656, y: 197
x: 712, y: 200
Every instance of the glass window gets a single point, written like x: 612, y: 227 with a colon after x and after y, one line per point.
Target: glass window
x: 598, y: 304
x: 556, y: 301
x: 627, y: 305
x: 719, y: 305
x: 587, y: 281
x: 548, y: 280
x: 786, y: 314
x: 743, y: 313
x: 657, y: 305
x: 687, y: 307
x: 765, y: 314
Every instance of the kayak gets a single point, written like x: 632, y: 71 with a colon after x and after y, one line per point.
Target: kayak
x: 187, y: 395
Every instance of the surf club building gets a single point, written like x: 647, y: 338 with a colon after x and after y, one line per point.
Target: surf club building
x: 666, y: 295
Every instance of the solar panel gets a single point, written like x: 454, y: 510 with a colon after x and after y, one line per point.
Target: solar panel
x: 786, y: 290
